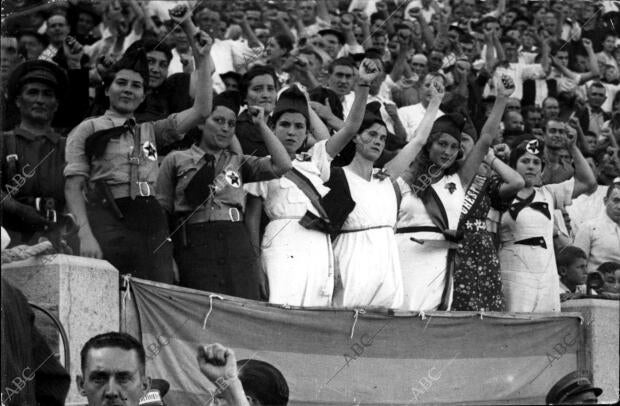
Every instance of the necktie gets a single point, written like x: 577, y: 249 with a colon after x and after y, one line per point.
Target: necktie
x: 96, y: 143
x: 198, y: 188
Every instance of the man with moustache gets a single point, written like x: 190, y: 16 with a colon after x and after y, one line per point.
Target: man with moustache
x: 556, y: 170
x: 33, y: 153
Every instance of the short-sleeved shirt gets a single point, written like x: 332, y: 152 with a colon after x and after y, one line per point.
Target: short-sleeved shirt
x: 411, y: 117
x: 179, y: 167
x: 283, y: 198
x: 113, y: 166
x: 599, y: 238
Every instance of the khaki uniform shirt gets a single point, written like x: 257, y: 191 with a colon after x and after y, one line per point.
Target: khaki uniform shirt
x: 113, y: 166
x: 231, y: 169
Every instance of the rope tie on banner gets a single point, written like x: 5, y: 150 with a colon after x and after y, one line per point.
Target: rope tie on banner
x: 355, y: 316
x: 204, y: 323
x: 422, y: 315
x: 126, y: 279
x: 482, y: 314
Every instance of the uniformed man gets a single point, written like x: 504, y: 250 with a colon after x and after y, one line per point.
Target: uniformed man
x: 33, y: 153
x: 112, y: 168
x: 203, y: 188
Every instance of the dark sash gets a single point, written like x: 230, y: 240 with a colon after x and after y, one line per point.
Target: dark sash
x: 333, y: 208
x: 439, y: 217
x: 472, y: 197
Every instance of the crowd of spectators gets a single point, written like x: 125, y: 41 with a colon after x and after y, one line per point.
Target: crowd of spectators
x: 421, y: 155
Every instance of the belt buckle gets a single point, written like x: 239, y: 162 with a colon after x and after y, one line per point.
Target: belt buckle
x: 232, y: 212
x: 50, y: 215
x: 141, y: 186
x: 134, y: 160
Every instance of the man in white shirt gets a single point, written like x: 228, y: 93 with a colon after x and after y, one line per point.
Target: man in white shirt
x: 519, y: 72
x: 600, y: 238
x: 182, y: 58
x: 411, y: 116
x: 228, y: 55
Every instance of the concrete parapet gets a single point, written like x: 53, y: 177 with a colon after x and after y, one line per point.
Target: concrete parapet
x: 82, y: 292
x: 601, y: 320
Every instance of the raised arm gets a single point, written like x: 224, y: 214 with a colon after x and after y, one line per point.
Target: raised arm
x: 369, y: 70
x: 505, y: 87
x: 585, y: 181
x: 219, y: 365
x: 410, y: 151
x: 512, y: 181
x: 594, y: 69
x: 280, y: 159
x: 203, y: 100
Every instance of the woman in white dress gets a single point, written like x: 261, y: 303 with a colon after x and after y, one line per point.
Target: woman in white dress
x: 433, y: 192
x: 365, y: 251
x: 298, y: 261
x: 530, y: 279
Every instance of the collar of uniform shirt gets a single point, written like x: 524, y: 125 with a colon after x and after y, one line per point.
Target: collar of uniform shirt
x: 52, y: 136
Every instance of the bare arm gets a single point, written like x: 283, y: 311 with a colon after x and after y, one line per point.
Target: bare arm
x: 321, y: 10
x: 585, y: 181
x: 400, y: 133
x: 368, y: 71
x: 249, y: 34
x: 403, y: 159
x: 505, y: 87
x: 512, y: 181
x: 318, y: 128
x: 280, y: 160
x: 203, y: 100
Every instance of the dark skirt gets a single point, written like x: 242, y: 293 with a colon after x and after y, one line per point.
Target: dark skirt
x: 477, y: 275
x: 218, y: 257
x: 136, y: 244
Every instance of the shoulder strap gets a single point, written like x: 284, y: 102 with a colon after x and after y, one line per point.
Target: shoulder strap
x: 399, y: 195
x: 308, y: 189
x: 10, y: 154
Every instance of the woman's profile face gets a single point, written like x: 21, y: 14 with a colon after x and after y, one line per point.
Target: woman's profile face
x: 444, y: 150
x: 467, y: 144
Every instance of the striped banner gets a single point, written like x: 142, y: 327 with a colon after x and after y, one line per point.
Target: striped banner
x: 347, y: 356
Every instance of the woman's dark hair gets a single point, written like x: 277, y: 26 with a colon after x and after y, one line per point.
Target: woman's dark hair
x: 149, y: 43
x: 422, y: 165
x: 285, y: 42
x: 254, y: 71
x: 263, y: 382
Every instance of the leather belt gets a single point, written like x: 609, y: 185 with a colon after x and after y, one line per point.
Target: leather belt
x: 420, y: 229
x: 206, y: 215
x: 141, y: 189
x: 532, y: 241
x: 357, y: 230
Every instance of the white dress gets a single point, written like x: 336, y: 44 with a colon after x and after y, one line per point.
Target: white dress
x: 530, y: 279
x: 298, y: 261
x: 424, y: 267
x: 365, y: 253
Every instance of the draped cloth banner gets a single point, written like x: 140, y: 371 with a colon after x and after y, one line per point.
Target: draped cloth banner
x: 348, y: 356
